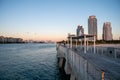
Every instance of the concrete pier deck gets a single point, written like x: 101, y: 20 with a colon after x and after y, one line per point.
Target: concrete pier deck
x: 89, y: 62
x: 110, y: 65
x: 90, y: 65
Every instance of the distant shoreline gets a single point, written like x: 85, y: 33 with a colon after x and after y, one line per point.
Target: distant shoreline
x: 26, y: 43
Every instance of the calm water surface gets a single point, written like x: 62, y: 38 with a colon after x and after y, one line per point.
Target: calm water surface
x: 28, y: 62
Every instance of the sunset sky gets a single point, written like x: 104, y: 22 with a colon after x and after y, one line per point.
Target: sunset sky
x: 54, y: 19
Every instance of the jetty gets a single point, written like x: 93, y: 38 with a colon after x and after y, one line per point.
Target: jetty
x: 88, y: 62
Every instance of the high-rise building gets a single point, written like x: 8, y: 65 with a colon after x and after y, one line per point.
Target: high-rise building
x: 92, y: 26
x: 107, y: 31
x: 79, y: 30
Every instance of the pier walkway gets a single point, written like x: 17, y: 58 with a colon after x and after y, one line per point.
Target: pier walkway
x: 96, y: 63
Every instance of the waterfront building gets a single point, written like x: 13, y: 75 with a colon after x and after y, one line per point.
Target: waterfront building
x: 79, y: 30
x: 10, y: 40
x: 92, y: 26
x: 107, y: 31
x: 1, y: 39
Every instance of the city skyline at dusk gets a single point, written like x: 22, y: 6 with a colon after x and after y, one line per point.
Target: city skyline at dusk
x: 54, y: 19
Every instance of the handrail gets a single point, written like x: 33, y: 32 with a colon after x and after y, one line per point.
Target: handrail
x: 84, y: 68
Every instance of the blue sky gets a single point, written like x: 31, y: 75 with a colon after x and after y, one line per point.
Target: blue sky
x: 54, y: 19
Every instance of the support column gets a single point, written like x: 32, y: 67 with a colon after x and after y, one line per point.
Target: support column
x: 67, y: 68
x: 76, y: 43
x: 87, y: 45
x: 70, y: 42
x: 94, y: 44
x: 81, y: 42
x: 84, y: 44
x: 60, y: 62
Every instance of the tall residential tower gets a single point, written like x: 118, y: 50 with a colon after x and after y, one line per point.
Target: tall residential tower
x: 79, y: 30
x: 107, y: 31
x: 92, y: 26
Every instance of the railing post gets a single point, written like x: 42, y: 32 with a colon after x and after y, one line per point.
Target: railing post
x: 84, y: 44
x: 90, y: 49
x: 76, y: 43
x: 87, y: 45
x: 94, y: 44
x: 70, y: 42
x: 86, y: 69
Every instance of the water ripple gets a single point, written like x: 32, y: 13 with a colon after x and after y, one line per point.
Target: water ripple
x: 28, y: 62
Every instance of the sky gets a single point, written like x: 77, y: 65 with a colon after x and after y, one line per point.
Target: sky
x: 54, y: 19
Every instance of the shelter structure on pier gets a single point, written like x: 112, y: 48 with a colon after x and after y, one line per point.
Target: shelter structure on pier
x: 84, y: 38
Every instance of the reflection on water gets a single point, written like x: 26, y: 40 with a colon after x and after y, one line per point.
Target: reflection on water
x: 28, y: 62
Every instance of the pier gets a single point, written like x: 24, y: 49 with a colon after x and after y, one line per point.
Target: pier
x: 89, y: 62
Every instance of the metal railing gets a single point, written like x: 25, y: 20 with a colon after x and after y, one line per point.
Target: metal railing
x: 106, y: 51
x: 84, y: 69
x: 81, y: 67
x: 111, y: 52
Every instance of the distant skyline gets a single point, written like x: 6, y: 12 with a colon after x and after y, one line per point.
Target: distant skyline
x: 54, y: 19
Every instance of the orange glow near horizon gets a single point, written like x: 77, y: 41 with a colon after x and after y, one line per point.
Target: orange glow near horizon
x: 46, y: 37
x: 37, y: 37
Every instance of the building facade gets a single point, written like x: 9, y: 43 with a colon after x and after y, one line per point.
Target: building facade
x: 1, y: 39
x: 107, y: 31
x: 10, y: 40
x: 92, y: 26
x: 79, y: 31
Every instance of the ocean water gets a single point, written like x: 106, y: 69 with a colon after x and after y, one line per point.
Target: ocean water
x: 28, y: 62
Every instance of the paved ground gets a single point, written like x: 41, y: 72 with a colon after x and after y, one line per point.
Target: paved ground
x: 111, y: 66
